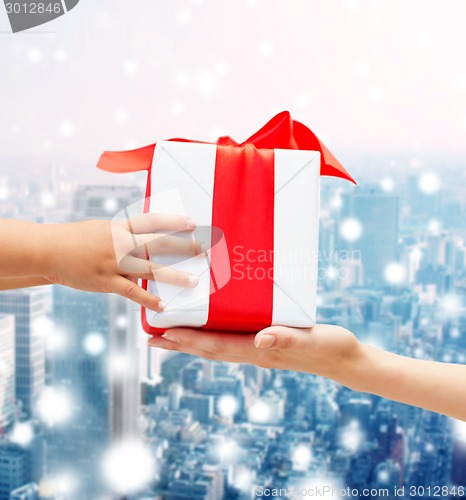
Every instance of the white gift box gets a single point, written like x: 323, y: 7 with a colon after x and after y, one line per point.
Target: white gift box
x: 256, y: 205
x: 182, y: 182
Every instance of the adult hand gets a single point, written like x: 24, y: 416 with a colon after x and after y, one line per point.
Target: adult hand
x: 333, y: 352
x: 325, y: 350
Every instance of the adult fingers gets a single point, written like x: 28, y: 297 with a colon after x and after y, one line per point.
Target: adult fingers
x: 221, y: 343
x: 164, y: 343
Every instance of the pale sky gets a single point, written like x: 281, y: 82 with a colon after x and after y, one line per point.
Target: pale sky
x: 367, y: 76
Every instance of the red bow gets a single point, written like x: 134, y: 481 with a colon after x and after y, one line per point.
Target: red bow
x: 281, y: 132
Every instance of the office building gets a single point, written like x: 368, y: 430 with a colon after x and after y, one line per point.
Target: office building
x: 201, y: 407
x: 7, y: 369
x: 377, y: 213
x: 27, y: 306
x: 13, y: 469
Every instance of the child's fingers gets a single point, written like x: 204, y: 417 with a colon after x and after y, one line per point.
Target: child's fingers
x: 147, y: 270
x: 150, y: 223
x: 130, y: 290
x: 159, y: 244
x: 172, y: 276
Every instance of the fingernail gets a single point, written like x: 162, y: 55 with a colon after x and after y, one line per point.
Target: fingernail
x: 266, y: 341
x: 162, y: 305
x: 168, y: 336
x: 193, y: 280
x: 191, y: 223
x: 153, y: 341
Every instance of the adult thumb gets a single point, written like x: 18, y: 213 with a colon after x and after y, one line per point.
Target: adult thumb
x: 281, y: 337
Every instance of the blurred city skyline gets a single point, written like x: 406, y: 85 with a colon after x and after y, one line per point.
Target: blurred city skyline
x: 211, y: 431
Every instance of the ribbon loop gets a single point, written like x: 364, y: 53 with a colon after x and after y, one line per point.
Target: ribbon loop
x: 281, y: 132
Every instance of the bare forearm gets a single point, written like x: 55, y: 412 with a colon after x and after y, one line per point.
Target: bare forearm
x: 23, y: 249
x: 435, y: 386
x: 23, y: 282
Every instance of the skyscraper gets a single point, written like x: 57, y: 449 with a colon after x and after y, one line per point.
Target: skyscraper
x: 7, y: 369
x: 377, y: 213
x: 123, y: 366
x: 13, y: 469
x: 27, y: 306
x: 201, y: 407
x: 423, y: 205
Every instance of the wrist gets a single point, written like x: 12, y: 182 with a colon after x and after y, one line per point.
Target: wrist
x: 43, y: 259
x: 369, y: 370
x: 354, y: 369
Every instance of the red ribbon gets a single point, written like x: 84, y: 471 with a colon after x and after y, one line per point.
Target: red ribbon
x: 243, y: 207
x: 281, y: 132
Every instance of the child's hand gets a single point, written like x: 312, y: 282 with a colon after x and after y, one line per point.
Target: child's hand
x: 105, y: 256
